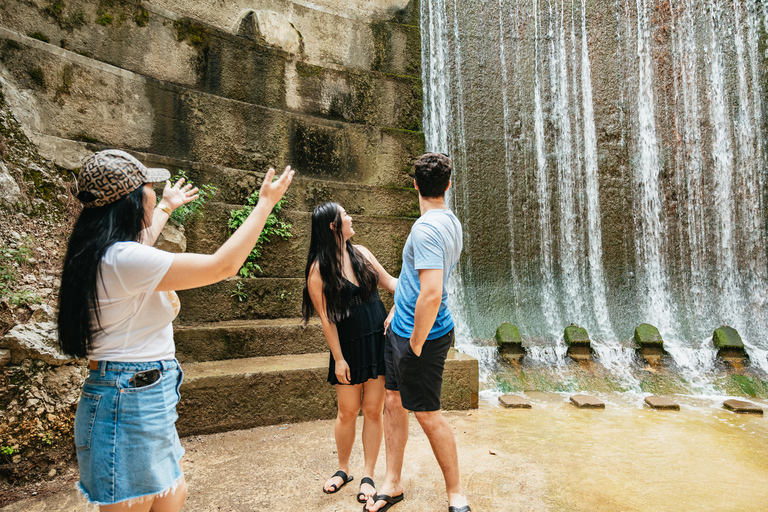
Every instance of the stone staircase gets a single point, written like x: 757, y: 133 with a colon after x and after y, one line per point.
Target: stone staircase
x: 181, y: 89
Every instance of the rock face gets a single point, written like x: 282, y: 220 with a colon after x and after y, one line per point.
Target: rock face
x: 37, y: 339
x: 10, y: 193
x: 172, y: 239
x: 272, y: 29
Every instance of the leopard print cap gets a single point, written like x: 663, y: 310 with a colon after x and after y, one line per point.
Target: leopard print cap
x: 113, y: 174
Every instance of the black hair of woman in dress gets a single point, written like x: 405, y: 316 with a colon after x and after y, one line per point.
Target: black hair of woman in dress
x: 342, y: 282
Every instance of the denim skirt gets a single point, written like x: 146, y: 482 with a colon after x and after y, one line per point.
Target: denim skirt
x: 126, y: 439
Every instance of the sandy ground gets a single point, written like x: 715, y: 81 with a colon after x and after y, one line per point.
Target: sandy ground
x: 553, y: 457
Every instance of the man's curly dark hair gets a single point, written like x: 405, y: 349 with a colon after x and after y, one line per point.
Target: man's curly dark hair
x: 433, y: 172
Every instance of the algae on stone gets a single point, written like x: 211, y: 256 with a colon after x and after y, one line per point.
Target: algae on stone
x: 575, y: 335
x: 507, y: 333
x: 647, y: 334
x: 727, y: 337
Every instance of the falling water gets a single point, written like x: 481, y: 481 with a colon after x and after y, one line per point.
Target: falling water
x: 570, y: 241
x: 628, y: 152
x: 548, y: 293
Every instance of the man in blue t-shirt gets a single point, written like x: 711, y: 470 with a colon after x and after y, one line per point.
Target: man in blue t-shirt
x: 419, y: 336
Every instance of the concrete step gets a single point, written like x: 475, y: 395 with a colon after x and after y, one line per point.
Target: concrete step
x: 79, y: 98
x: 384, y: 236
x: 223, y: 64
x: 197, y: 42
x: 242, y: 299
x: 218, y: 396
x: 235, y: 185
x: 247, y: 299
x: 247, y: 338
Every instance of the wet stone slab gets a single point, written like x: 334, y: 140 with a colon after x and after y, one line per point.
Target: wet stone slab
x: 587, y: 402
x: 659, y: 402
x: 514, y: 402
x: 742, y: 407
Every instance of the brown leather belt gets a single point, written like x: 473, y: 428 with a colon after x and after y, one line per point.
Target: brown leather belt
x: 93, y: 365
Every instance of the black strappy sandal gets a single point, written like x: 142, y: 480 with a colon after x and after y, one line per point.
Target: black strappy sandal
x: 346, y: 479
x: 361, y: 495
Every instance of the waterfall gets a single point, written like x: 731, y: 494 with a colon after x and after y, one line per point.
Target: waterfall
x: 610, y: 171
x: 548, y: 292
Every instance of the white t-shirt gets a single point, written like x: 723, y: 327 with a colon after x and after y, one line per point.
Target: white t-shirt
x: 135, y: 319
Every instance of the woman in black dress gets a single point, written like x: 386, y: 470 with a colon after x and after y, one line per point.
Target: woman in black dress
x: 341, y: 284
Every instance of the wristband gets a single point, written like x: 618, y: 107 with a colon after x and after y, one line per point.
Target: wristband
x: 165, y: 208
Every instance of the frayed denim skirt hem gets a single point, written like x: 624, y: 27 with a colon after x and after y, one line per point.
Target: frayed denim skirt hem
x: 126, y: 439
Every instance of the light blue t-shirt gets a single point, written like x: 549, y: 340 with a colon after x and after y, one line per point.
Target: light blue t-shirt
x: 435, y: 242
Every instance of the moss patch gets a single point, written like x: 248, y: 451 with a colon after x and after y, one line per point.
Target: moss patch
x: 190, y: 32
x: 40, y: 37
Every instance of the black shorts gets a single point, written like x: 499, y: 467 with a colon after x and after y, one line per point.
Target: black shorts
x: 419, y: 379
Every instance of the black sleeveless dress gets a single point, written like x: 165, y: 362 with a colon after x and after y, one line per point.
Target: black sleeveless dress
x: 361, y: 336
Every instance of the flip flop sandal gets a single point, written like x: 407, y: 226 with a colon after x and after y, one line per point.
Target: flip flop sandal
x: 389, y: 500
x: 346, y: 479
x: 361, y: 495
x: 465, y: 508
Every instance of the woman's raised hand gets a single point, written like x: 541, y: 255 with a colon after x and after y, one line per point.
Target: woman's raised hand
x: 178, y: 194
x: 272, y: 191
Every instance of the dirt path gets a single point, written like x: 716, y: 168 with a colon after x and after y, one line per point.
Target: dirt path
x: 553, y: 457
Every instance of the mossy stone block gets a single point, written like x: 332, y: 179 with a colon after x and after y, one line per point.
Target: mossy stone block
x: 507, y: 333
x: 646, y: 334
x: 575, y: 335
x: 727, y: 337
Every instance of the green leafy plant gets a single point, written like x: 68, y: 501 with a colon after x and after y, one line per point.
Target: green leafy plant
x: 48, y: 438
x: 10, y: 258
x: 186, y: 213
x: 23, y: 298
x: 274, y: 227
x: 239, y: 293
x: 8, y: 450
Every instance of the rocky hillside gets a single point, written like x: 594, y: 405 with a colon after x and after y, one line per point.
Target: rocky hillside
x: 37, y: 399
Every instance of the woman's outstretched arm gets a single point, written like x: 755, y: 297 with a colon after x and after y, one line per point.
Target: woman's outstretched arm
x: 386, y: 281
x: 195, y: 270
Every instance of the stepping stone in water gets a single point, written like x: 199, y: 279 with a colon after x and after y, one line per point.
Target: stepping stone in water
x: 742, y: 407
x: 587, y: 402
x: 514, y: 402
x: 658, y: 402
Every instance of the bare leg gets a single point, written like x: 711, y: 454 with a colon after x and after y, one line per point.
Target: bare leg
x: 373, y: 428
x: 443, y: 444
x: 344, y: 429
x: 171, y: 502
x: 395, y: 439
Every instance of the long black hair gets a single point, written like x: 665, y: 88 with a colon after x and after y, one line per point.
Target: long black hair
x: 95, y: 230
x: 325, y: 248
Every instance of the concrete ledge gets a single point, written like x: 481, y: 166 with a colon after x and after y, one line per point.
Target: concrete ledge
x: 237, y: 394
x: 79, y: 98
x: 742, y: 407
x: 241, y: 339
x: 242, y: 299
x: 587, y: 402
x: 384, y: 236
x: 658, y: 402
x: 514, y: 402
